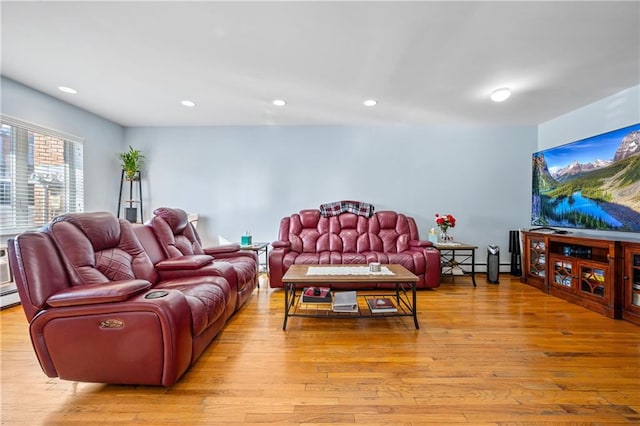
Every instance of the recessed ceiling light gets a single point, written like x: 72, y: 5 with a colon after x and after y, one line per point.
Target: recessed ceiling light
x: 66, y: 89
x: 370, y: 102
x: 501, y: 94
x: 279, y: 102
x: 189, y: 104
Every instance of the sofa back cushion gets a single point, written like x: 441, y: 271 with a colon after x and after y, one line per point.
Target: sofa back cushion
x: 385, y: 231
x: 98, y: 248
x: 305, y: 231
x: 394, y: 231
x: 174, y: 232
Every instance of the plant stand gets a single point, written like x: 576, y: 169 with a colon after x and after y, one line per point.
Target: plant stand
x: 131, y: 209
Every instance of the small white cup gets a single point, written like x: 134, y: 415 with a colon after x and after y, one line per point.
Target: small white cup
x: 374, y: 267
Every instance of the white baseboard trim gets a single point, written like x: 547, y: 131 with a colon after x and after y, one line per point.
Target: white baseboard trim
x: 482, y: 268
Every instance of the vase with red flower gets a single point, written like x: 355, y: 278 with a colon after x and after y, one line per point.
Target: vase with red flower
x: 445, y: 222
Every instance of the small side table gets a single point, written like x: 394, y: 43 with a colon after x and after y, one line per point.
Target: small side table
x: 260, y: 249
x: 454, y: 255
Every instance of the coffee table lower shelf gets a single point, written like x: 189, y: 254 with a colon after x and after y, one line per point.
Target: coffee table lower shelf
x: 404, y: 299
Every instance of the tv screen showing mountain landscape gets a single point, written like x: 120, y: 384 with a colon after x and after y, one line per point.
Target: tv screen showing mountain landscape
x: 593, y: 183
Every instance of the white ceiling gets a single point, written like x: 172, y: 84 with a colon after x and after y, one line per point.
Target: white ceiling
x: 426, y: 62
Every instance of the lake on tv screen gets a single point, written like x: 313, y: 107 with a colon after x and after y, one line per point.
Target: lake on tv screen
x: 591, y: 184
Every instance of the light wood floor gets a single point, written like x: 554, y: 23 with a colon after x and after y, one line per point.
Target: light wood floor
x: 495, y: 354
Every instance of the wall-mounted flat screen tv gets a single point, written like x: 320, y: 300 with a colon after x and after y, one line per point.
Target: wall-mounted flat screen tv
x: 592, y: 183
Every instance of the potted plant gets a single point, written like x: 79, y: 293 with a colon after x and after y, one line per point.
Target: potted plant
x: 132, y: 161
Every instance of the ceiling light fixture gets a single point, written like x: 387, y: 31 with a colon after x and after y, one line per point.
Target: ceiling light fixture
x: 279, y: 102
x: 501, y: 94
x: 370, y: 102
x: 66, y: 89
x: 189, y: 104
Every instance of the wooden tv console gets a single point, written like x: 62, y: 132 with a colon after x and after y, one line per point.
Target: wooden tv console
x: 598, y: 273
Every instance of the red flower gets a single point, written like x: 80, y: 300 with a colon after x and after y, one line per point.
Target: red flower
x: 445, y: 222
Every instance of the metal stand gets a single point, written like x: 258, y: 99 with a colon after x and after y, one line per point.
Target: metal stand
x: 131, y: 212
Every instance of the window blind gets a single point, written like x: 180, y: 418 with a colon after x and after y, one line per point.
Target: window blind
x: 41, y: 175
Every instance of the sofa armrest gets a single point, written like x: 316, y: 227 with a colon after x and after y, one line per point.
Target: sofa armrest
x: 276, y: 261
x: 193, y: 261
x: 227, y: 248
x: 281, y: 244
x: 161, y: 326
x: 420, y: 243
x: 433, y: 267
x: 113, y: 291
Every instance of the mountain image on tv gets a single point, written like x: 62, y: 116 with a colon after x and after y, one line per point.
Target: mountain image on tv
x: 593, y: 183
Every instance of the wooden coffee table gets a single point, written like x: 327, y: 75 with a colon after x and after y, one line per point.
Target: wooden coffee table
x: 404, y: 295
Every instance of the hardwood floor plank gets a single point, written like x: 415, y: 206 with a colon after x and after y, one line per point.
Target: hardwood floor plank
x: 494, y: 354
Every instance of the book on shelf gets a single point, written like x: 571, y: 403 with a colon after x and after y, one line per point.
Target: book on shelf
x: 316, y: 295
x: 379, y: 305
x: 345, y: 301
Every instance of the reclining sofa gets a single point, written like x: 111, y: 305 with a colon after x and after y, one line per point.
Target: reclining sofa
x: 112, y: 302
x: 311, y: 238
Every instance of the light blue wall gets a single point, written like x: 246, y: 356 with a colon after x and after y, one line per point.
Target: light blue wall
x: 611, y: 113
x: 248, y: 178
x: 102, y: 138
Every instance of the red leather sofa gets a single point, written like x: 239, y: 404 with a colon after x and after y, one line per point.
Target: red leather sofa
x: 308, y: 237
x: 106, y: 303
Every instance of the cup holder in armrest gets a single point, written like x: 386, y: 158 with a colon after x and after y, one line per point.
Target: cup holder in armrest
x: 156, y: 294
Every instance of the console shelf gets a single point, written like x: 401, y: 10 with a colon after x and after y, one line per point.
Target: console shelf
x: 590, y: 271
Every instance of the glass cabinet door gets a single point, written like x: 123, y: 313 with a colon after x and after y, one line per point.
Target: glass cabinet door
x: 562, y: 273
x: 635, y: 280
x: 537, y: 261
x: 592, y: 280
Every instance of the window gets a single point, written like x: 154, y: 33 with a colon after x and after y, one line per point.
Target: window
x: 41, y: 175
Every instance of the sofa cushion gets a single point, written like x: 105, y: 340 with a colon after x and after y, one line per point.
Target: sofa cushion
x: 350, y: 258
x: 102, y: 229
x: 177, y: 219
x: 303, y: 258
x: 412, y: 261
x: 205, y: 296
x: 92, y: 258
x: 174, y: 233
x: 245, y: 268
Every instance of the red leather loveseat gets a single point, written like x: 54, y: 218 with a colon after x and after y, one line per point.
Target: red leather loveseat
x: 308, y: 237
x: 106, y: 303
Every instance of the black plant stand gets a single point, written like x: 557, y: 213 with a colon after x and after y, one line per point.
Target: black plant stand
x: 131, y: 212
